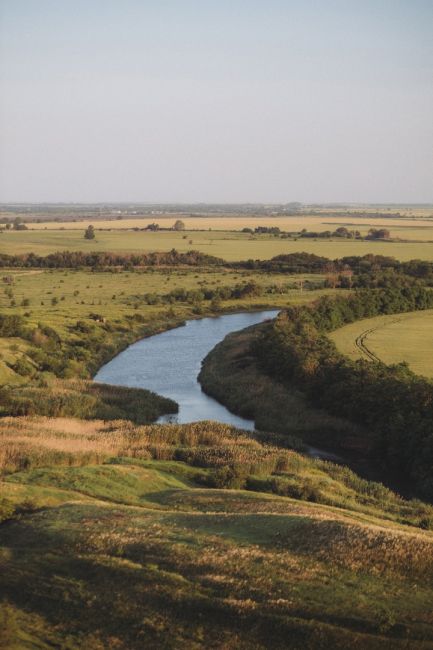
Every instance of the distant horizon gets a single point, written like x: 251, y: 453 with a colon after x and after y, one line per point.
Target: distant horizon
x: 224, y: 203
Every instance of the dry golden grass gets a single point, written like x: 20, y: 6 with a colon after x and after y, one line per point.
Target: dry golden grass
x: 209, y: 449
x: 29, y: 441
x: 38, y: 441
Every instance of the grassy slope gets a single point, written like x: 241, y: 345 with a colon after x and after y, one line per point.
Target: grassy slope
x: 135, y: 554
x: 225, y: 244
x: 392, y: 339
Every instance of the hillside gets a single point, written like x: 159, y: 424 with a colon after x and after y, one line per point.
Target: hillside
x: 118, y: 536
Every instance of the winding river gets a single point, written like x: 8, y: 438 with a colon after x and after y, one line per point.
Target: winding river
x: 169, y: 363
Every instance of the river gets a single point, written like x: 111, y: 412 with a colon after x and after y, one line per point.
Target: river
x: 169, y: 363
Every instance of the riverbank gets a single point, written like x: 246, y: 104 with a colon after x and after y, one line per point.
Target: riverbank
x: 69, y: 322
x: 231, y: 374
x: 56, y: 348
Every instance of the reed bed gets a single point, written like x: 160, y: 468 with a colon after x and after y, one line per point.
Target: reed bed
x: 227, y: 458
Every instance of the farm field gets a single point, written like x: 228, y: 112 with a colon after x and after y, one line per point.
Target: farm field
x: 392, y: 339
x: 117, y: 549
x: 412, y: 226
x: 228, y: 245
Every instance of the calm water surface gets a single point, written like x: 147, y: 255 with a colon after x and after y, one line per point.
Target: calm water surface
x: 169, y: 363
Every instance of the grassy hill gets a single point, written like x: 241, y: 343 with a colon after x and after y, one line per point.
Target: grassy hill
x: 123, y: 536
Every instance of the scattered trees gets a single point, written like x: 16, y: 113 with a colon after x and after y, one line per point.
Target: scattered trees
x: 216, y: 295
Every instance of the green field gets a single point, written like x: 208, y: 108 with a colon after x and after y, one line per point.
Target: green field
x: 392, y: 339
x: 228, y: 245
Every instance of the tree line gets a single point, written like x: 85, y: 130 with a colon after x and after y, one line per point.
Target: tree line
x: 238, y: 291
x: 391, y: 402
x: 360, y: 265
x: 367, y: 270
x: 98, y: 260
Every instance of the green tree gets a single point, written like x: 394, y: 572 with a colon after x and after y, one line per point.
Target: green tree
x: 179, y: 225
x: 18, y: 224
x: 89, y: 233
x: 381, y: 233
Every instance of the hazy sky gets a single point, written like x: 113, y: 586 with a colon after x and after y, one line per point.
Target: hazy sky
x: 216, y: 100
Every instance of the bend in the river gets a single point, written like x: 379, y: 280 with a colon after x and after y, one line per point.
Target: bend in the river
x: 169, y: 364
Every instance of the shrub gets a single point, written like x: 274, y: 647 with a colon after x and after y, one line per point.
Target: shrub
x: 23, y: 367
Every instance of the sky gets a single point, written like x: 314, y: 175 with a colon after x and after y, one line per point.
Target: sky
x: 216, y: 101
